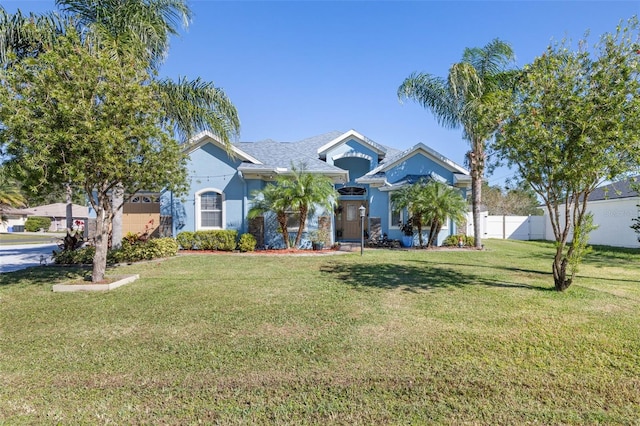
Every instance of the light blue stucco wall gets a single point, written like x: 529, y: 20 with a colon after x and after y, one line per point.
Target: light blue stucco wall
x: 418, y: 165
x: 353, y: 147
x: 356, y: 166
x: 211, y: 168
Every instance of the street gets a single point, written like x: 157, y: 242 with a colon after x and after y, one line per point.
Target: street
x: 15, y: 257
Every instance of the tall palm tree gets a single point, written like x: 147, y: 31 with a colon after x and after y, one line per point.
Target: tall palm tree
x: 308, y: 191
x: 473, y: 97
x: 440, y: 203
x: 272, y: 198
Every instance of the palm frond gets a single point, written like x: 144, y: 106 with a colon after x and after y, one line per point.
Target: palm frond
x: 27, y: 35
x: 196, y: 105
x: 432, y: 93
x: 143, y: 24
x: 491, y: 59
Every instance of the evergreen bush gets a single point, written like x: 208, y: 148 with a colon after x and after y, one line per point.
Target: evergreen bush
x: 247, y: 243
x: 35, y: 223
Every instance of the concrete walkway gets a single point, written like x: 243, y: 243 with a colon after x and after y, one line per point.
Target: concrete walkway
x: 16, y: 257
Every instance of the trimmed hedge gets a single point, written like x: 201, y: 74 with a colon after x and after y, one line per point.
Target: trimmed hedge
x: 247, y: 243
x: 129, y: 252
x: 452, y: 240
x: 223, y: 240
x: 35, y: 223
x: 186, y: 240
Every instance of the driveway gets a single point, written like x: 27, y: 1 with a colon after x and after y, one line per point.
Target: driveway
x: 15, y: 257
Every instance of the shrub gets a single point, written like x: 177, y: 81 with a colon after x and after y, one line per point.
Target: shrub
x: 247, y: 243
x: 128, y: 252
x: 145, y: 250
x: 452, y: 240
x: 187, y: 240
x: 224, y: 240
x: 82, y: 256
x: 35, y: 223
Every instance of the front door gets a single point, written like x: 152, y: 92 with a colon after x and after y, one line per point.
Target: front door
x: 349, y: 220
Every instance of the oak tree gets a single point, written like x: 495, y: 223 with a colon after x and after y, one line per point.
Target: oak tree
x: 73, y: 115
x: 575, y: 123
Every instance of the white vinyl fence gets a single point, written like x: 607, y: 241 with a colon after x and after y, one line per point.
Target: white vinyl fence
x: 509, y: 227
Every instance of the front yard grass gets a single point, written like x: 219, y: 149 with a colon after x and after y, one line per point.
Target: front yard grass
x: 393, y: 337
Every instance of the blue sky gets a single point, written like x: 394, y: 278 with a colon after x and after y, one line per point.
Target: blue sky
x: 295, y: 69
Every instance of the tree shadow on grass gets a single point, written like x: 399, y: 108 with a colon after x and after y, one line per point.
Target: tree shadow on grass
x: 411, y: 278
x: 505, y: 268
x: 41, y: 275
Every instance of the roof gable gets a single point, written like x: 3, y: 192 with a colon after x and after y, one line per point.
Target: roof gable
x: 203, y: 138
x: 345, y: 137
x: 418, y: 149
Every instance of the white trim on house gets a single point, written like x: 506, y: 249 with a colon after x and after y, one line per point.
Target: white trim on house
x: 427, y: 152
x: 269, y: 173
x: 402, y: 212
x: 352, y: 154
x: 198, y: 206
x: 322, y: 151
x: 206, y: 137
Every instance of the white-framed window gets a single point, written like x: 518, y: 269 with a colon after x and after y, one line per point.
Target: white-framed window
x: 395, y: 216
x: 210, y: 209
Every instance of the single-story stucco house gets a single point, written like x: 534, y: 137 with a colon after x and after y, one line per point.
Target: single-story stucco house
x: 364, y: 173
x: 11, y: 218
x: 57, y: 212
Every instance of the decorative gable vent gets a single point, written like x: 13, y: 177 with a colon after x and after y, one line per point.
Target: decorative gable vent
x: 352, y: 190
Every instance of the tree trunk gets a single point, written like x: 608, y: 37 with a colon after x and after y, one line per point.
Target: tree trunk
x: 101, y: 245
x: 69, y: 201
x: 418, y: 222
x: 116, y: 225
x: 303, y: 219
x: 560, y: 280
x: 476, y: 163
x: 433, y: 233
x: 282, y: 220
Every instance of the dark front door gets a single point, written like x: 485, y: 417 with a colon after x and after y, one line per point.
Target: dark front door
x: 349, y: 220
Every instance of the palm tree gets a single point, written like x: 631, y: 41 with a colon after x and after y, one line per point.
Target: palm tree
x: 409, y: 197
x: 272, y: 198
x: 141, y: 27
x: 308, y: 191
x: 144, y: 28
x: 10, y: 194
x: 441, y: 202
x: 473, y: 97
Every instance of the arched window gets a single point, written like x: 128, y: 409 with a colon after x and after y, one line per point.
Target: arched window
x: 210, y: 209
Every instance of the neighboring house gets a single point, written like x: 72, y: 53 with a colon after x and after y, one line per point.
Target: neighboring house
x: 57, y: 212
x: 12, y: 220
x: 364, y: 172
x: 613, y: 207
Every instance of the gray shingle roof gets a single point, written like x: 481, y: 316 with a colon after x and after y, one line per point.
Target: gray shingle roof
x: 620, y: 189
x: 284, y: 154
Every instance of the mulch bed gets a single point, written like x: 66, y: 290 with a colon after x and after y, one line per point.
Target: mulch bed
x: 294, y: 252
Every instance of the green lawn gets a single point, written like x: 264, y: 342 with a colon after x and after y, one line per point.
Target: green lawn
x: 393, y: 337
x: 28, y: 238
